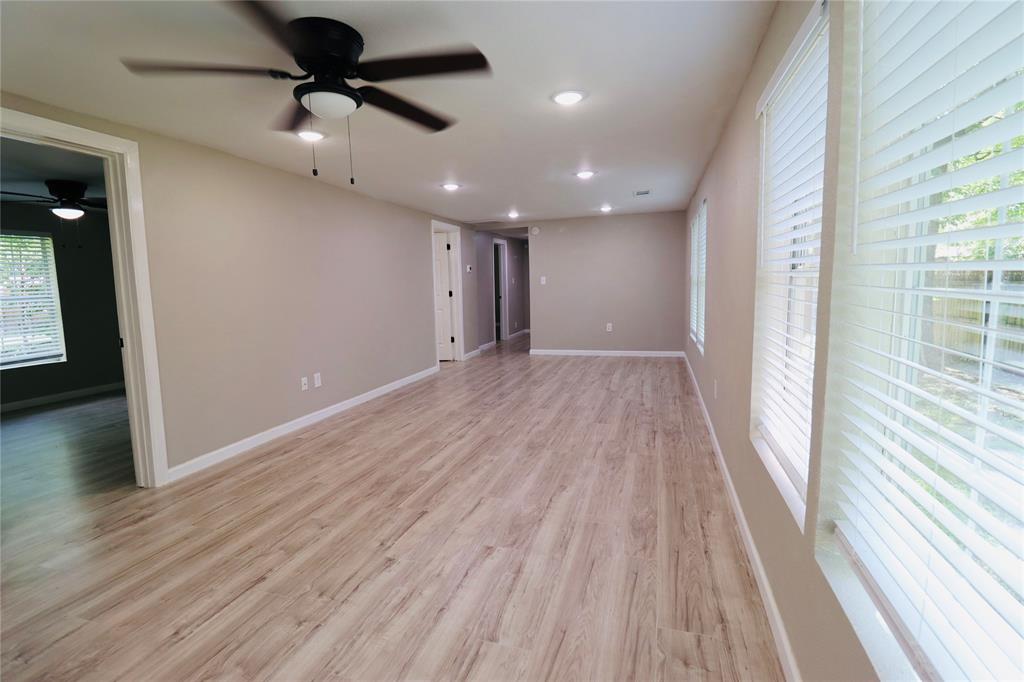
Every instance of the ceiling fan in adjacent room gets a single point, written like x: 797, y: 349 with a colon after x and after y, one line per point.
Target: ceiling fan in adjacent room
x: 67, y: 196
x: 327, y: 52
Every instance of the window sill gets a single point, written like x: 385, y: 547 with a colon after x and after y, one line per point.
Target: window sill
x: 792, y: 497
x: 879, y: 642
x: 33, y: 363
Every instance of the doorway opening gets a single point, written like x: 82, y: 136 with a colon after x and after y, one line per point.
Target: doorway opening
x: 447, y: 268
x: 501, y: 327
x: 64, y: 420
x: 134, y: 334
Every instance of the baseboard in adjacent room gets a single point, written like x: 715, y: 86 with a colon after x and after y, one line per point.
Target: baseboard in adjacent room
x: 61, y: 397
x: 518, y: 333
x: 611, y: 353
x: 485, y: 346
x: 782, y: 644
x: 219, y: 455
x: 471, y: 354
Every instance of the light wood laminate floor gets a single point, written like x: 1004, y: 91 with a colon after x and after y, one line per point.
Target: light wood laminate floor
x: 514, y: 517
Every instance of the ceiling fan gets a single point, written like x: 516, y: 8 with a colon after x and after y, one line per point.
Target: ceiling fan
x: 327, y: 52
x: 67, y: 195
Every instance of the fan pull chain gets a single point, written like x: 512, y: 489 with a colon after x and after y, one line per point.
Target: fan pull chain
x: 312, y: 144
x: 351, y: 173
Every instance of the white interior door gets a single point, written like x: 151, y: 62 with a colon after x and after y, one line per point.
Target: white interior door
x: 443, y: 298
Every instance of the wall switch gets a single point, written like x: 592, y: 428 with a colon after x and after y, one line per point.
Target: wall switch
x: 608, y: 327
x: 469, y: 268
x: 513, y: 281
x: 543, y: 279
x: 305, y: 383
x: 317, y: 382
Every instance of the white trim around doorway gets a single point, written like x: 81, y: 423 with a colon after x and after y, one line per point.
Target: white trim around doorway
x: 131, y: 276
x: 456, y: 279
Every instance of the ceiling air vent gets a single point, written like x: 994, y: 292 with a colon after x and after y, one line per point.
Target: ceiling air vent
x: 642, y: 193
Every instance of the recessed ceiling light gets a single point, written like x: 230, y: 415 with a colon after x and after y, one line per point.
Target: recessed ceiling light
x: 451, y: 186
x: 605, y: 208
x: 310, y: 135
x: 513, y: 214
x: 585, y: 174
x: 568, y: 97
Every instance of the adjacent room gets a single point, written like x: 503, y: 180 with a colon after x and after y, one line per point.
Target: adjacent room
x: 507, y: 340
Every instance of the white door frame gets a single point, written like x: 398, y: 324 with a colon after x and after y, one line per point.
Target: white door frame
x: 455, y: 276
x: 503, y: 245
x: 131, y: 276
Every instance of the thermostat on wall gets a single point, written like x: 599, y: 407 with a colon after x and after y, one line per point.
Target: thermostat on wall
x: 535, y: 230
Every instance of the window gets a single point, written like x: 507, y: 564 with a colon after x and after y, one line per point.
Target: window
x: 793, y: 168
x: 698, y: 273
x: 31, y: 331
x: 924, y: 442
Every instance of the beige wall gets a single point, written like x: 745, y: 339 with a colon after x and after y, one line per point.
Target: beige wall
x: 259, y: 277
x: 823, y: 641
x: 625, y: 269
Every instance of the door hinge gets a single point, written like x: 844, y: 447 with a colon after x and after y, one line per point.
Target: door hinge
x: 453, y: 339
x: 448, y: 247
x: 449, y: 293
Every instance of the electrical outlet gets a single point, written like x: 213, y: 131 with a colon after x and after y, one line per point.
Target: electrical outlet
x: 317, y: 381
x: 305, y: 383
x: 543, y: 279
x: 716, y: 389
x: 608, y: 327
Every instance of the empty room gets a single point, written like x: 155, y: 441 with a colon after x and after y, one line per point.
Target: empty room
x: 501, y: 340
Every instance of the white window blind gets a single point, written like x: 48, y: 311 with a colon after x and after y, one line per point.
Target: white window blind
x: 698, y: 273
x: 31, y: 331
x: 925, y: 437
x: 793, y: 167
x: 694, y: 274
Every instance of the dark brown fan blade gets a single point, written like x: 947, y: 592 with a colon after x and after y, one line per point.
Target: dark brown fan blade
x: 293, y: 118
x: 404, y: 108
x: 32, y: 196
x: 94, y: 202
x: 266, y: 18
x: 148, y: 68
x: 415, y: 66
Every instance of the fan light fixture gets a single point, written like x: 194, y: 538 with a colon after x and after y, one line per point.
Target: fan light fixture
x: 328, y: 101
x: 310, y: 135
x: 451, y: 186
x: 568, y: 97
x: 513, y: 214
x: 585, y: 174
x: 67, y: 211
x: 606, y: 208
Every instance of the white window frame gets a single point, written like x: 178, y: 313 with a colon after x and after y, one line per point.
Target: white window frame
x: 49, y: 359
x: 792, y: 485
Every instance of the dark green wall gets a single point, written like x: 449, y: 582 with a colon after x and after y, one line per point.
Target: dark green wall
x: 85, y: 277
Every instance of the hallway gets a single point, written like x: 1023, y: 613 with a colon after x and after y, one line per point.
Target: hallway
x: 512, y: 517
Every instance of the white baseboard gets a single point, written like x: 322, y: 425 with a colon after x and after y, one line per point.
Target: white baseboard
x: 611, y: 353
x: 489, y: 344
x: 228, y: 451
x: 782, y: 644
x: 518, y: 333
x: 61, y: 397
x: 471, y: 354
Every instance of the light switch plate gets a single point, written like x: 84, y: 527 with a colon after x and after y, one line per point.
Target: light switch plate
x: 543, y: 279
x: 608, y: 327
x: 317, y: 381
x: 305, y: 383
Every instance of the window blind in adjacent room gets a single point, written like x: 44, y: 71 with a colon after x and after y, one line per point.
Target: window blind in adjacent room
x: 31, y: 331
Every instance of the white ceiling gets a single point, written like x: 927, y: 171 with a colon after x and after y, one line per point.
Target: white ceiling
x: 661, y: 78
